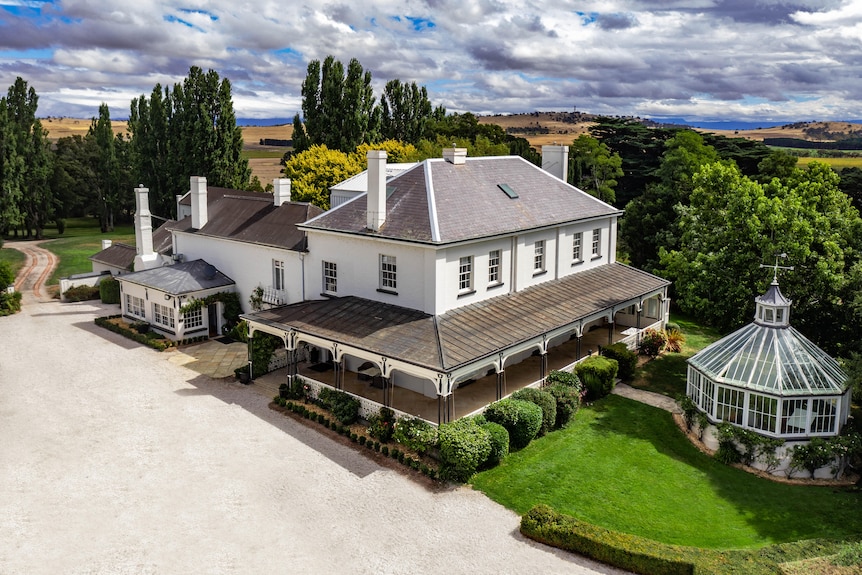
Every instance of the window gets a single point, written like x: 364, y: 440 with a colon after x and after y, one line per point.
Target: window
x: 330, y: 277
x: 163, y: 315
x: 277, y: 274
x: 494, y: 267
x: 597, y: 242
x: 388, y: 272
x: 135, y: 306
x: 194, y: 318
x: 577, y: 255
x: 729, y: 405
x: 539, y: 257
x: 823, y: 415
x: 762, y: 412
x: 794, y: 416
x: 652, y: 307
x: 465, y: 273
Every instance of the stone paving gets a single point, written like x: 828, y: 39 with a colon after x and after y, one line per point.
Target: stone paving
x: 211, y: 358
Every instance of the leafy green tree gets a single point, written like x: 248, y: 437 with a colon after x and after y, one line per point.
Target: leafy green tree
x: 404, y: 111
x: 107, y: 168
x: 650, y: 222
x: 190, y: 131
x: 778, y: 164
x: 11, y: 174
x: 74, y: 179
x: 29, y: 161
x: 338, y: 111
x: 734, y: 224
x: 851, y: 184
x: 317, y: 169
x: 595, y: 168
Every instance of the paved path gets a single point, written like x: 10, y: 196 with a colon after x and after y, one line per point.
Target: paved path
x: 649, y: 397
x: 115, y: 460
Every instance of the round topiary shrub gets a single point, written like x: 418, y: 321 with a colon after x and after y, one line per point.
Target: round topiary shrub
x: 416, y: 434
x: 568, y: 401
x: 626, y: 359
x: 464, y: 446
x: 544, y: 400
x: 597, y: 374
x: 499, y: 443
x: 521, y: 419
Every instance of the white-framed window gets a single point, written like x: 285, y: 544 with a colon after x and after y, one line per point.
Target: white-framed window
x: 278, y: 274
x: 652, y: 305
x: 597, y: 242
x: 388, y: 272
x: 163, y: 315
x: 823, y: 415
x: 494, y: 267
x: 330, y: 277
x: 577, y: 251
x: 465, y: 273
x: 539, y: 256
x: 730, y: 405
x: 762, y: 412
x: 193, y: 318
x: 794, y: 416
x: 135, y: 306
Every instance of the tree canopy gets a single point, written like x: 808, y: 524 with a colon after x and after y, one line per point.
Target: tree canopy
x: 734, y: 224
x: 594, y: 168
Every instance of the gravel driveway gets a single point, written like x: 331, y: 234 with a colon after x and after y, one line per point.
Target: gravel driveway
x: 114, y: 460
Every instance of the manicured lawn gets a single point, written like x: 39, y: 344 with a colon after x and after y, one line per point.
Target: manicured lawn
x: 14, y: 258
x: 666, y: 373
x: 254, y: 154
x: 81, y: 239
x: 626, y: 466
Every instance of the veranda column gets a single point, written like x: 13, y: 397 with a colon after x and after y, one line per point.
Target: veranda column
x: 611, y: 331
x: 544, y: 366
x: 250, y: 355
x: 501, y: 384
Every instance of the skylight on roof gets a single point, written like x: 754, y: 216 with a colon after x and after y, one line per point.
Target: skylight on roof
x: 507, y: 189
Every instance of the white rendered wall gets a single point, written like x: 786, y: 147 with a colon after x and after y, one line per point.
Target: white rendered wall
x: 249, y: 265
x: 358, y: 268
x: 448, y: 260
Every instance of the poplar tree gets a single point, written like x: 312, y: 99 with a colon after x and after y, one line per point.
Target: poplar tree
x: 107, y: 167
x: 404, y: 111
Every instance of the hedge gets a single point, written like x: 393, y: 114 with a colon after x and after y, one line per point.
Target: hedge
x: 82, y: 293
x: 544, y: 400
x: 499, y: 443
x: 144, y: 338
x: 568, y: 400
x: 597, y: 374
x: 626, y: 358
x: 109, y: 290
x: 464, y: 446
x: 522, y: 419
x: 622, y: 550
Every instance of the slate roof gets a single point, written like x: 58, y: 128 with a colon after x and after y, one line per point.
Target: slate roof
x: 187, y: 277
x: 118, y: 255
x: 466, y: 334
x: 215, y: 193
x: 122, y: 256
x: 254, y: 219
x: 440, y: 202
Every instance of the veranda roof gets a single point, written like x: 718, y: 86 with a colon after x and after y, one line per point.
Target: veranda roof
x: 778, y: 361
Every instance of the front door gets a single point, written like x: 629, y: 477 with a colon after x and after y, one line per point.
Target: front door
x: 212, y: 314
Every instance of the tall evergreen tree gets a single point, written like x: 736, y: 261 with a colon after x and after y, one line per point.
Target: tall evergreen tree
x: 107, y: 169
x: 11, y: 174
x: 190, y: 131
x: 404, y: 111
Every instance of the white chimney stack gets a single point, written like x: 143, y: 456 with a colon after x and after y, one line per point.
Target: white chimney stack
x: 376, y: 207
x: 280, y: 191
x: 455, y: 156
x: 198, y: 186
x: 146, y: 258
x: 107, y: 243
x: 555, y: 161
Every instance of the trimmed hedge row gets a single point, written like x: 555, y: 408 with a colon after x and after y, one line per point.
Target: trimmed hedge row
x: 109, y: 290
x: 626, y: 358
x: 144, y: 338
x: 598, y: 375
x: 544, y: 400
x: 621, y: 550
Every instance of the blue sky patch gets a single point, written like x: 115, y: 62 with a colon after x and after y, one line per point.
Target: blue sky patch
x: 40, y: 54
x: 588, y: 17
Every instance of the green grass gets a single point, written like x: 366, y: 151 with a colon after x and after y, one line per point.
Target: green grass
x: 14, y: 258
x: 254, y: 154
x: 666, y: 374
x: 626, y: 466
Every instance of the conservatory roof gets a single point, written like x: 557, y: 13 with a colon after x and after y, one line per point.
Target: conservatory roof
x: 778, y: 361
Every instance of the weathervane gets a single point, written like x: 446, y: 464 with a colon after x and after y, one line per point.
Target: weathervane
x: 775, y: 267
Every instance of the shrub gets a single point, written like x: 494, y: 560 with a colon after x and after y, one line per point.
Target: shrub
x: 727, y: 452
x: 563, y: 378
x: 9, y: 302
x: 689, y: 410
x: 521, y: 419
x: 499, y: 443
x: 598, y: 374
x: 653, y: 342
x: 675, y: 339
x: 464, y: 446
x: 626, y: 358
x: 568, y: 400
x: 283, y: 391
x: 544, y: 400
x: 343, y: 406
x: 295, y: 389
x: 416, y: 434
x: 384, y: 450
x: 81, y: 293
x: 382, y: 425
x: 362, y: 440
x: 7, y: 276
x: 811, y: 456
x: 109, y: 290
x: 702, y: 424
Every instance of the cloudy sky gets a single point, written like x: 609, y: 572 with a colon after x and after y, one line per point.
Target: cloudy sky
x: 757, y: 60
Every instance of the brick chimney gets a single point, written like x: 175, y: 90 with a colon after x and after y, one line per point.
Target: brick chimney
x: 376, y: 197
x: 555, y: 161
x: 280, y: 191
x: 146, y: 258
x: 198, y: 185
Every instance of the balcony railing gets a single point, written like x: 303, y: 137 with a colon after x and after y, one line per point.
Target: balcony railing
x: 274, y: 296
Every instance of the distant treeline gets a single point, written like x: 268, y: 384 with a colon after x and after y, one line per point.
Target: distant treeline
x: 274, y: 142
x: 848, y: 144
